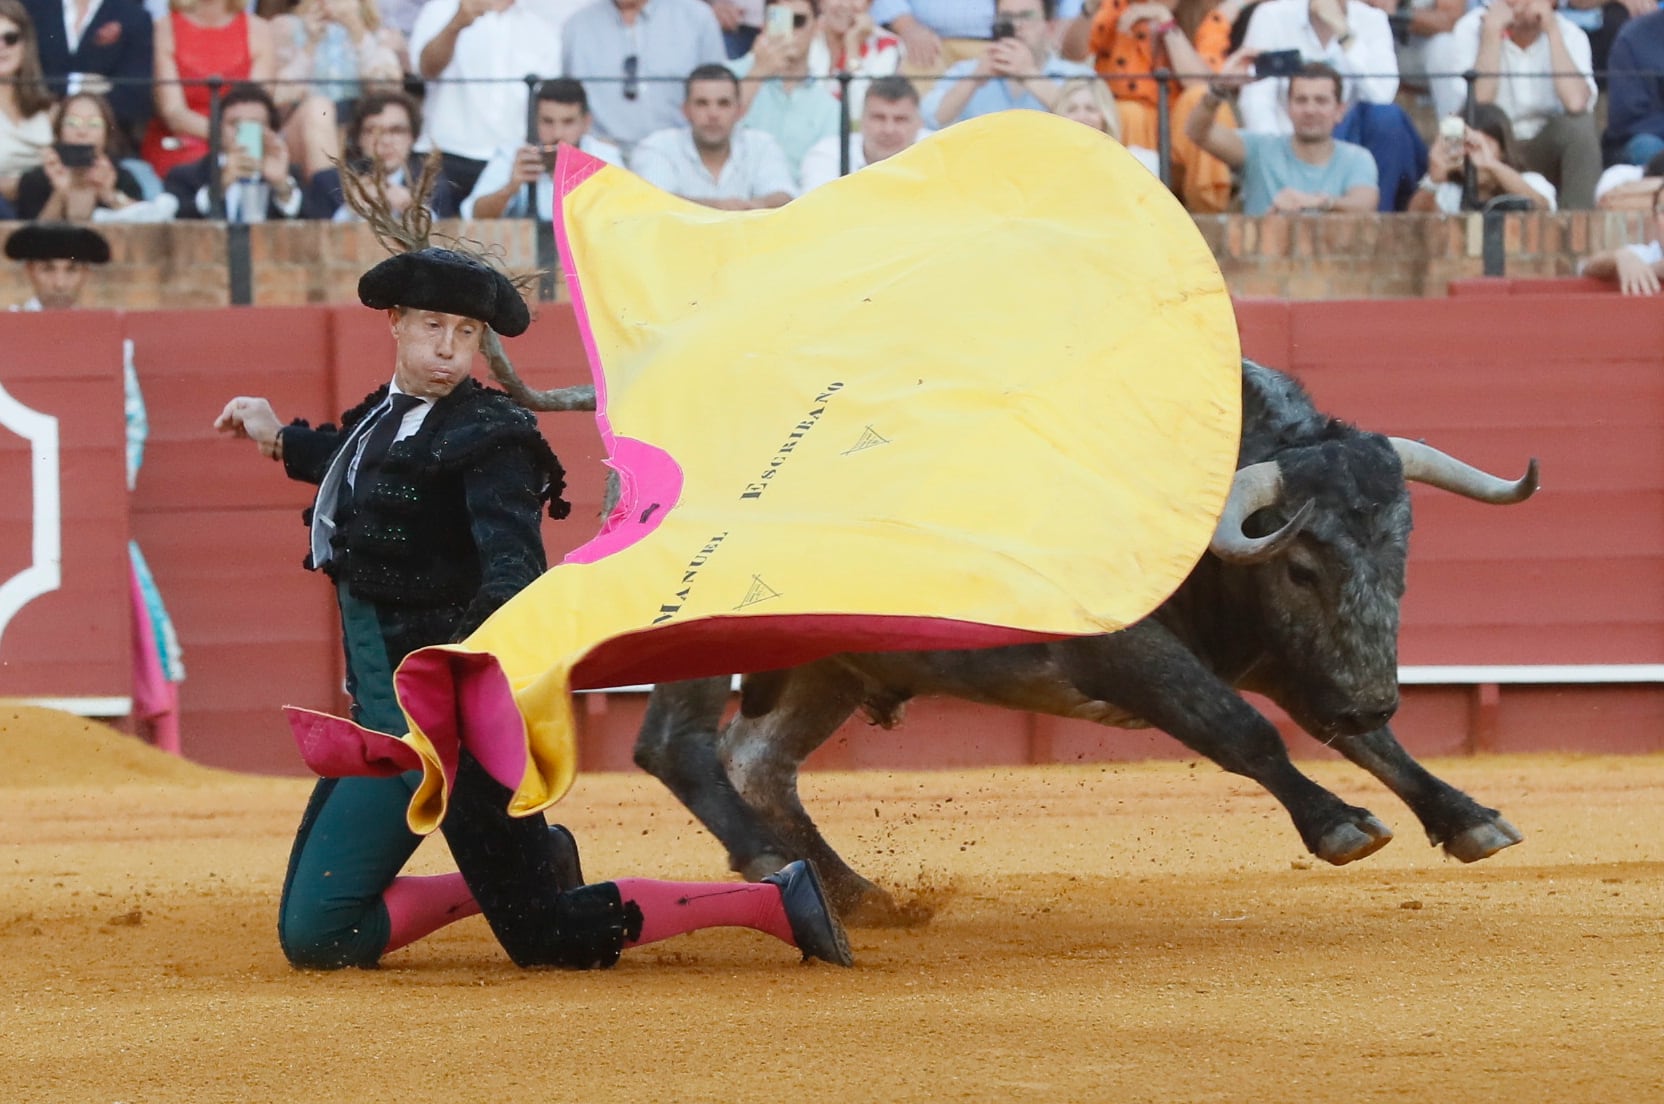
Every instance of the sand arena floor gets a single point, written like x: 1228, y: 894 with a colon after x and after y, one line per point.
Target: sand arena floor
x: 1102, y: 933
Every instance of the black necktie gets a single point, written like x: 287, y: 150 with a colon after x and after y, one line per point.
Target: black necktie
x: 376, y: 446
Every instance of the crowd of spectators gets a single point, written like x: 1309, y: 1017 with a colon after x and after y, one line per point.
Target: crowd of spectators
x: 1285, y: 105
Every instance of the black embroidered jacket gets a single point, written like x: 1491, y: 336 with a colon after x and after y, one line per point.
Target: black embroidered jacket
x: 451, y: 530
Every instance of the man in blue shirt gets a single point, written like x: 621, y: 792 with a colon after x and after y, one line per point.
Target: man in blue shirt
x: 1635, y: 107
x: 1305, y: 171
x: 939, y: 33
x: 1018, y: 70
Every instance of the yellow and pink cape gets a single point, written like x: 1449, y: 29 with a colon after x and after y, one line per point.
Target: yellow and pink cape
x: 984, y: 392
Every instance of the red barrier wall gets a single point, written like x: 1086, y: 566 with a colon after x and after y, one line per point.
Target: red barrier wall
x: 1495, y: 374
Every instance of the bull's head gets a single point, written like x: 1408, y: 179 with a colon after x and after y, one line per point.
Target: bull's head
x: 1323, y: 532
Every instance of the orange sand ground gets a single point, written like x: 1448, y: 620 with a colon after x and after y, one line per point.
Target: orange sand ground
x: 1103, y: 933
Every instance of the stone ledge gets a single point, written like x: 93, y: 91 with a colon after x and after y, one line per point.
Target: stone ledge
x: 183, y: 264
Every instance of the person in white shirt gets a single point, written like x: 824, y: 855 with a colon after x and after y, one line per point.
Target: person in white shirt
x: 475, y: 55
x: 890, y: 122
x: 711, y: 160
x: 1489, y: 144
x: 1535, y: 65
x: 562, y: 117
x: 1636, y: 268
x: 1351, y: 37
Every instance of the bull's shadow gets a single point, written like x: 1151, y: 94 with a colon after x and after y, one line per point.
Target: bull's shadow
x: 1297, y: 599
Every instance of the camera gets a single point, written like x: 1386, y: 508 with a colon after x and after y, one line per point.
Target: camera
x: 1277, y: 63
x: 1004, y: 28
x: 75, y: 155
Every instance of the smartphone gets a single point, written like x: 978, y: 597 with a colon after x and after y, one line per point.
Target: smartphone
x: 780, y: 21
x: 1452, y: 131
x: 1277, y: 63
x: 251, y: 136
x: 75, y: 155
x: 1004, y: 29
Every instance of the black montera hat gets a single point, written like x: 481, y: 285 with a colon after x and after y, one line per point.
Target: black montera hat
x: 58, y: 241
x: 446, y: 281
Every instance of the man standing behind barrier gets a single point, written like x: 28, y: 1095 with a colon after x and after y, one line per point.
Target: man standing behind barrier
x: 890, y: 122
x: 1307, y: 171
x: 475, y: 55
x: 427, y: 518
x: 1019, y: 69
x: 632, y: 56
x: 562, y: 117
x: 713, y: 160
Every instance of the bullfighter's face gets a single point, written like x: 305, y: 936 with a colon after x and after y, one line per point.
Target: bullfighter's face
x: 435, y: 350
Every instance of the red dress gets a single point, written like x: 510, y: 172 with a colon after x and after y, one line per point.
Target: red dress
x: 199, y: 53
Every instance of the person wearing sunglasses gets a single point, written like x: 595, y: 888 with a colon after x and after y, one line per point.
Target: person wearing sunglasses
x: 632, y: 57
x: 25, y: 122
x: 777, y: 94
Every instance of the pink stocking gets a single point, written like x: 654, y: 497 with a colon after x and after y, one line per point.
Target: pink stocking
x: 421, y: 906
x: 676, y: 908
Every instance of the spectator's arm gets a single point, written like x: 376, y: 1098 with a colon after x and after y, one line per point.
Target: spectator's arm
x: 954, y: 90
x: 293, y: 62
x: 1424, y: 202
x: 1361, y: 186
x: 1572, y: 82
x: 1487, y: 61
x: 1441, y: 16
x: 1260, y: 104
x: 436, y: 52
x: 130, y: 96
x: 1633, y: 275
x: 262, y: 54
x: 496, y: 187
x: 170, y: 98
x: 1637, y: 195
x: 1079, y: 36
x: 1359, y: 199
x: 1223, y: 141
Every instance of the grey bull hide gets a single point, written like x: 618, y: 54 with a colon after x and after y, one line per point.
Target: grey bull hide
x: 1297, y: 599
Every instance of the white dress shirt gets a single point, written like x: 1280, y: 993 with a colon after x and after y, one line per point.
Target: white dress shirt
x: 1524, y: 92
x: 756, y: 167
x: 1368, y: 64
x: 501, y: 166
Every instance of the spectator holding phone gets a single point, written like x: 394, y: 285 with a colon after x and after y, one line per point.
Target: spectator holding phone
x: 327, y: 53
x: 1351, y: 37
x: 1019, y: 69
x: 562, y: 118
x: 25, y: 125
x: 257, y: 179
x: 79, y: 173
x: 200, y: 39
x: 1489, y: 144
x: 846, y: 40
x: 380, y: 140
x: 1130, y: 38
x: 1308, y: 170
x: 777, y: 94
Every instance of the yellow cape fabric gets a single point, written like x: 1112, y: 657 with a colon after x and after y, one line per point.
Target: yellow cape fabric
x: 991, y: 384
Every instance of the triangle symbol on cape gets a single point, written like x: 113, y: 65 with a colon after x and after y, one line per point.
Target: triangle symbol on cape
x: 758, y: 591
x: 868, y: 439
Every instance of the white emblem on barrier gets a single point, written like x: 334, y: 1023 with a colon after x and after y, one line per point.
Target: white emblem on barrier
x: 44, y: 573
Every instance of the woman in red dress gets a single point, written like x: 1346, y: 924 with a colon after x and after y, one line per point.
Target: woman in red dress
x: 198, y: 40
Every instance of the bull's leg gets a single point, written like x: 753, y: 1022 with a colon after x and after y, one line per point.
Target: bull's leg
x: 678, y: 746
x: 763, y: 753
x: 1466, y: 829
x: 1145, y: 670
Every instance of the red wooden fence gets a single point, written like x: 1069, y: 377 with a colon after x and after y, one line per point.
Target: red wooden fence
x: 1496, y: 374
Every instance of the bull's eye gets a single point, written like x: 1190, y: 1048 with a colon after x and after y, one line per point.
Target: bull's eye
x: 1301, y: 575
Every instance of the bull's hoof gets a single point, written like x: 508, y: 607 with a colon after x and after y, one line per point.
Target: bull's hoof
x: 1482, y: 840
x: 755, y: 870
x: 1353, y: 840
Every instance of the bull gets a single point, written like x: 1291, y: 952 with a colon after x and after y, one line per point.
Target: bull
x: 1297, y: 599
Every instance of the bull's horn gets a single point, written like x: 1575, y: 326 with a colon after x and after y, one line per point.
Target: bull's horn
x: 1425, y: 464
x: 1254, y: 488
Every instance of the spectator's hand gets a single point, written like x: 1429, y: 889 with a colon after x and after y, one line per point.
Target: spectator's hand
x: 469, y: 10
x: 398, y: 198
x: 1442, y: 161
x: 1142, y: 11
x: 275, y: 165
x: 1635, y: 276
x: 313, y: 20
x: 864, y: 28
x: 921, y: 43
x: 1498, y: 17
x: 1332, y: 13
x: 1291, y: 200
x: 101, y: 178
x: 1011, y: 57
x: 527, y: 167
x: 254, y: 420
x: 770, y: 54
x: 239, y: 165
x: 1236, y: 71
x: 61, y: 179
x: 728, y: 14
x: 1543, y: 10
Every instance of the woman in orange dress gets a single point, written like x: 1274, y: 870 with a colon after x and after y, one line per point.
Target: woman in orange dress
x: 1191, y: 38
x: 198, y: 40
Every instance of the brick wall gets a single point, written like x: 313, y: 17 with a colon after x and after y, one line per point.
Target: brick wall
x: 1290, y: 257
